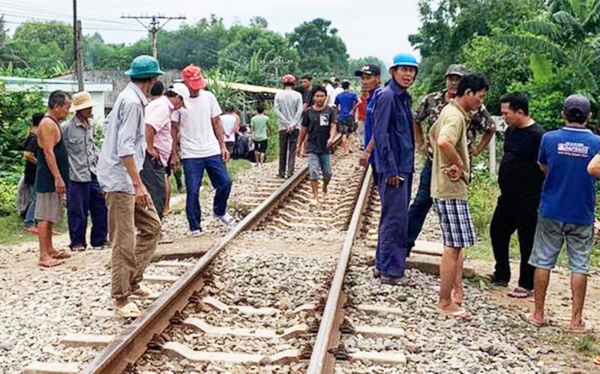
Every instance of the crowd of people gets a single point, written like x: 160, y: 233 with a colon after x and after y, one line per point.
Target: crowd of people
x: 547, y: 180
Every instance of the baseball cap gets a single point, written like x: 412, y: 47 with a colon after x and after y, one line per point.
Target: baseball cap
x: 368, y: 69
x: 289, y: 78
x: 577, y: 107
x: 181, y: 90
x: 192, y: 76
x: 456, y: 69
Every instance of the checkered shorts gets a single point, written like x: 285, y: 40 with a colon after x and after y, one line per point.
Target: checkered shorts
x: 456, y: 223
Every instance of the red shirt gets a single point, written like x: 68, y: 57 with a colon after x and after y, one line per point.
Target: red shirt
x: 362, y: 108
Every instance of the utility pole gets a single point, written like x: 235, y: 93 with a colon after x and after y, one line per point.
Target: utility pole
x: 154, y: 27
x: 77, y: 48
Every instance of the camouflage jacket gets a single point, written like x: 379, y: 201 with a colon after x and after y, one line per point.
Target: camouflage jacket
x: 429, y: 110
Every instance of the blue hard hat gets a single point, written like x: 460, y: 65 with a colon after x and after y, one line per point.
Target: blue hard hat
x: 144, y: 67
x: 405, y: 59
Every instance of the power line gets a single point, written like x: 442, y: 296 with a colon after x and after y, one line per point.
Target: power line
x: 154, y: 27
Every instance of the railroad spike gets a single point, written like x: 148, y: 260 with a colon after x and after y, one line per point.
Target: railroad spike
x: 341, y: 353
x: 347, y: 327
x: 306, y: 352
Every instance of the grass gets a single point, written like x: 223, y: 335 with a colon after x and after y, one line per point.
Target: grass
x: 12, y: 232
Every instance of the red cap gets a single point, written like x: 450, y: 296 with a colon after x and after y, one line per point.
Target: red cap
x: 192, y: 76
x: 289, y: 78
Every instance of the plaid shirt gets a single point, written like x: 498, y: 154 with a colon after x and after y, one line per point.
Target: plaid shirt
x: 431, y: 106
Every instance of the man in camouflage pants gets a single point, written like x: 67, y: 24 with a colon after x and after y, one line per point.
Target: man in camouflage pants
x: 427, y: 114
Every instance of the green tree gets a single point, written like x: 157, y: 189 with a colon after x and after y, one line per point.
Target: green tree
x: 43, y: 46
x: 567, y: 35
x: 257, y: 55
x: 356, y: 64
x: 321, y: 50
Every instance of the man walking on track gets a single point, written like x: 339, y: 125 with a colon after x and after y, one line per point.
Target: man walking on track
x: 520, y: 180
x: 394, y: 158
x: 345, y: 105
x: 449, y: 188
x: 52, y: 176
x: 427, y: 114
x: 318, y: 129
x: 566, y: 209
x: 288, y: 110
x: 84, y: 195
x: 130, y: 208
x: 203, y: 148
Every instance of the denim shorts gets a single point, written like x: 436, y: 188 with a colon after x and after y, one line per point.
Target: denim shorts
x: 550, y: 236
x: 316, y: 159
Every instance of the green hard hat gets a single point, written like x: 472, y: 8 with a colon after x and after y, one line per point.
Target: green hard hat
x: 144, y: 67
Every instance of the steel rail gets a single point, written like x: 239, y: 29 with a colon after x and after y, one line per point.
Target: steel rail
x: 322, y: 360
x: 131, y: 344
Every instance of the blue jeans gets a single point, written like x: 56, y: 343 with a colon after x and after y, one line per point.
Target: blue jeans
x: 390, y: 257
x: 314, y: 161
x: 219, y: 178
x: 84, y: 198
x: 420, y: 206
x: 30, y: 215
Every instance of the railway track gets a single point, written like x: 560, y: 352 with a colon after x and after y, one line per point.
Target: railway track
x: 272, y: 296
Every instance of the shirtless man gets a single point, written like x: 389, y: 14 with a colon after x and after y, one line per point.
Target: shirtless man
x: 52, y: 176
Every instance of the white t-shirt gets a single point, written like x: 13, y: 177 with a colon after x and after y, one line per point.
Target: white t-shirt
x: 198, y: 139
x: 334, y: 92
x: 330, y: 95
x: 228, y: 121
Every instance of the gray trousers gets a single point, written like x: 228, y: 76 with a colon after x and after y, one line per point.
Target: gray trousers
x: 287, y: 151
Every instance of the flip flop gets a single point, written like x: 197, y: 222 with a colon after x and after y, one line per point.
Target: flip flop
x: 520, y: 293
x: 597, y: 360
x: 130, y: 310
x: 581, y: 331
x: 61, y: 255
x: 142, y: 291
x: 461, y: 313
x: 50, y: 263
x: 527, y: 319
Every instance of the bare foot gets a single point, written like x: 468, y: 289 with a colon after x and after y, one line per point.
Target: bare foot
x: 60, y: 255
x: 33, y: 230
x: 49, y: 263
x: 458, y: 298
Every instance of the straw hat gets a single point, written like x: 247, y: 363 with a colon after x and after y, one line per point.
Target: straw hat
x: 82, y: 100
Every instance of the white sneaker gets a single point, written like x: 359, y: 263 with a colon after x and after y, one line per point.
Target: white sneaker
x: 226, y: 219
x: 195, y: 233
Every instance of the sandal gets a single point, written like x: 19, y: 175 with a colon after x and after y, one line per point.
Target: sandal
x: 142, y: 291
x: 130, y: 310
x: 376, y: 273
x: 584, y: 330
x: 78, y: 248
x: 461, y: 313
x: 495, y: 281
x: 597, y: 360
x: 520, y: 293
x: 527, y: 318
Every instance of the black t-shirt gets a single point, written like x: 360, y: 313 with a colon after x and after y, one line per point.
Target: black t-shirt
x: 307, y: 95
x: 319, y: 126
x: 519, y: 170
x: 31, y: 145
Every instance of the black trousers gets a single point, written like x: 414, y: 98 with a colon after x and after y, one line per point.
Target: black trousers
x: 153, y: 177
x: 287, y: 152
x: 514, y: 212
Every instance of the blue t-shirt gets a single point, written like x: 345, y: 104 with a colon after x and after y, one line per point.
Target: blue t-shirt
x: 345, y: 102
x: 569, y: 192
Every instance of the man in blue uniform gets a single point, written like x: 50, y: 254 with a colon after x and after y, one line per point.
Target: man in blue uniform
x: 394, y: 158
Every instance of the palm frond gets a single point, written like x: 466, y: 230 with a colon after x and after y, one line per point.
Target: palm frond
x: 587, y: 78
x: 541, y: 67
x: 592, y: 21
x: 567, y: 20
x: 541, y: 27
x: 533, y: 44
